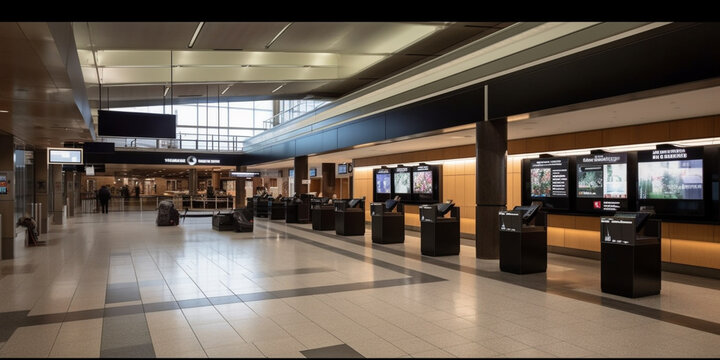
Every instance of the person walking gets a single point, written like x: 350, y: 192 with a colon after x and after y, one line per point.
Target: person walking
x: 104, y: 197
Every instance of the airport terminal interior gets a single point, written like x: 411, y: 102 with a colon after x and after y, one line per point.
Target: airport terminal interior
x: 360, y: 189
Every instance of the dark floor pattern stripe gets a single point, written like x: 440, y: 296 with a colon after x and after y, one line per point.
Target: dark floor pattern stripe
x: 342, y: 351
x: 540, y: 282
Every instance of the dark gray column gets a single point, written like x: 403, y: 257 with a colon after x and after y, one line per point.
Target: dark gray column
x: 58, y: 200
x: 328, y: 179
x: 301, y: 173
x: 70, y: 192
x: 42, y: 186
x: 240, y: 188
x: 7, y: 201
x: 490, y: 185
x: 193, y: 181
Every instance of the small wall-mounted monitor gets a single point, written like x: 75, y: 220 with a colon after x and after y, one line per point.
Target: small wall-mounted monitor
x: 313, y: 172
x: 4, y: 184
x: 342, y: 169
x: 291, y: 173
x: 65, y: 156
x: 90, y: 170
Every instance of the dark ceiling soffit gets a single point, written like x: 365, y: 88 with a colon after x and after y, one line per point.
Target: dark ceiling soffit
x: 64, y: 38
x: 557, y: 46
x: 614, y: 82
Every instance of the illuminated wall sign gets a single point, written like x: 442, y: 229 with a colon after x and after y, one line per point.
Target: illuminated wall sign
x: 191, y: 160
x: 242, y: 174
x: 65, y: 156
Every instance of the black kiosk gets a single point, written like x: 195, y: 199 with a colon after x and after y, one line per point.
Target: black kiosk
x: 239, y: 220
x: 276, y: 208
x: 291, y: 207
x: 388, y: 227
x: 630, y: 254
x: 523, y: 246
x: 260, y: 208
x: 350, y: 217
x: 439, y: 235
x: 323, y: 214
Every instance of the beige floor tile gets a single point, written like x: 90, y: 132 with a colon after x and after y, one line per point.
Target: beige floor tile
x: 414, y: 345
x: 31, y: 341
x: 530, y: 353
x: 177, y: 347
x: 445, y: 339
x: 203, y: 315
x: 235, y: 351
x: 434, y: 354
x: 166, y: 320
x: 80, y: 349
x: 471, y: 350
x: 504, y: 345
x: 217, y: 335
x: 172, y: 334
x: 279, y: 346
x: 563, y: 349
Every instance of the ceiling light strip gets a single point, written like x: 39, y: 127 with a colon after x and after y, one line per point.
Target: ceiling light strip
x: 195, y: 35
x: 226, y: 89
x: 278, y: 88
x: 278, y: 35
x: 167, y: 88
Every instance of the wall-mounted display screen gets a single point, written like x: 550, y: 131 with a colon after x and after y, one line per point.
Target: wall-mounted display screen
x: 90, y: 170
x: 671, y: 180
x: 423, y: 182
x: 602, y: 182
x: 668, y: 178
x: 382, y: 183
x: 549, y: 177
x: 342, y: 169
x: 3, y: 185
x: 313, y: 172
x: 291, y: 173
x: 67, y: 156
x: 401, y: 180
x: 133, y: 124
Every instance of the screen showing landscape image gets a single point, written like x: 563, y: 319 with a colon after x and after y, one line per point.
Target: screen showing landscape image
x: 590, y: 181
x: 676, y: 179
x: 422, y: 182
x: 402, y: 183
x: 382, y: 183
x: 615, y: 184
x: 540, y: 182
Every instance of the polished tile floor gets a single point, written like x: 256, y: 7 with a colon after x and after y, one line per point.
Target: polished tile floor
x: 116, y: 285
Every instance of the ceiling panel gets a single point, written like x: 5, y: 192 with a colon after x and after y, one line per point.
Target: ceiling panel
x: 248, y: 36
x: 140, y: 35
x: 453, y: 36
x: 349, y: 37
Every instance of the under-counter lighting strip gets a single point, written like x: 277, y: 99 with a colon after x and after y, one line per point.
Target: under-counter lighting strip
x: 622, y: 148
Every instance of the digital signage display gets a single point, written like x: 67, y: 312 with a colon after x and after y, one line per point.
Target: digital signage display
x: 313, y: 172
x: 422, y: 182
x: 401, y: 181
x: 602, y: 182
x: 382, y: 183
x: 672, y: 180
x: 549, y: 177
x: 65, y: 156
x: 3, y: 185
x: 342, y: 169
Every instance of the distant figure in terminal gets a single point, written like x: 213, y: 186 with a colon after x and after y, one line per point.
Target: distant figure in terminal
x: 137, y: 191
x: 104, y: 198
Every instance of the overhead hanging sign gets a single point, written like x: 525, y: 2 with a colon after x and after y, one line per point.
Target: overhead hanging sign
x: 191, y: 160
x: 244, y: 174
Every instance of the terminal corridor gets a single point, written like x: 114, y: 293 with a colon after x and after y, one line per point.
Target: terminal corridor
x: 116, y: 285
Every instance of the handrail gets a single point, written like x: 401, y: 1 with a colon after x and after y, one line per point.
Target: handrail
x: 270, y: 122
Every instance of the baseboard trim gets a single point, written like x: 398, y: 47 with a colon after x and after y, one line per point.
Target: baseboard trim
x: 574, y: 252
x: 691, y: 270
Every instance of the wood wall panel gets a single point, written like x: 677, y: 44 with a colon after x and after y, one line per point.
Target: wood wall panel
x: 697, y: 253
x: 591, y: 223
x: 665, y: 249
x: 618, y: 136
x: 517, y: 146
x: 692, y: 128
x: 588, y: 139
x: 564, y: 221
x: 556, y: 236
x: 582, y: 239
x: 537, y: 144
x: 562, y: 141
x: 651, y: 132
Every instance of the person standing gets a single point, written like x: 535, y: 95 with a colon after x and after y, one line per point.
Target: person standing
x: 104, y: 197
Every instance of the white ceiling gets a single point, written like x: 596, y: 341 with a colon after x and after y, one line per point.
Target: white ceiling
x: 681, y: 105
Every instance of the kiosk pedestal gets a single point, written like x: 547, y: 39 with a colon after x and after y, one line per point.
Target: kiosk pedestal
x: 261, y: 207
x: 523, y: 248
x: 349, y: 220
x: 439, y: 236
x: 630, y: 256
x: 303, y: 209
x: 277, y: 209
x: 387, y: 227
x: 323, y: 217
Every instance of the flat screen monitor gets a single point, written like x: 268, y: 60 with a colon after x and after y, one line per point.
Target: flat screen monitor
x: 602, y: 182
x: 90, y: 170
x: 401, y: 180
x: 313, y: 172
x: 3, y: 184
x: 134, y: 125
x: 65, y: 156
x: 672, y: 181
x: 382, y: 183
x: 342, y: 169
x: 422, y: 182
x: 291, y: 173
x: 549, y: 179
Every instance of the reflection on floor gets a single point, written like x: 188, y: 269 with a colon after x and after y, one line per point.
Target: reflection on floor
x: 116, y: 285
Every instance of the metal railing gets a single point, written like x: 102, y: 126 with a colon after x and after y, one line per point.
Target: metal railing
x: 151, y: 203
x: 300, y: 109
x: 185, y: 141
